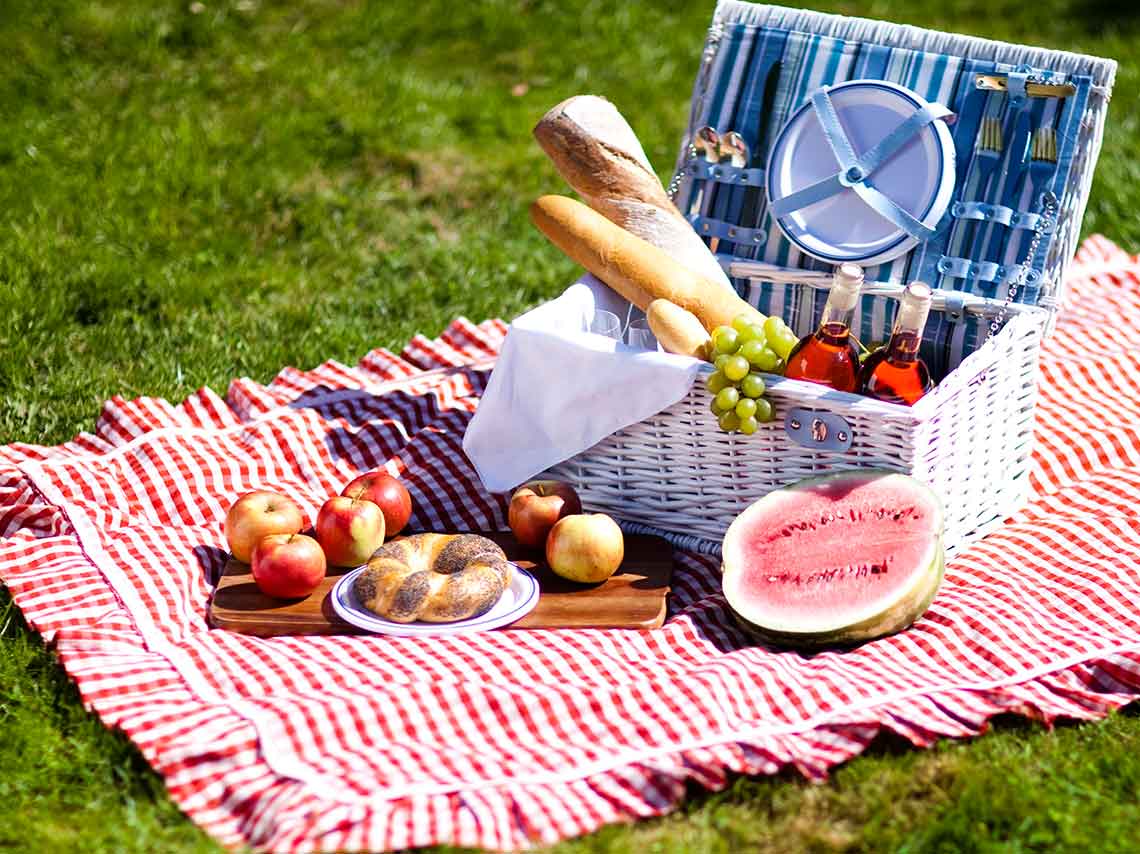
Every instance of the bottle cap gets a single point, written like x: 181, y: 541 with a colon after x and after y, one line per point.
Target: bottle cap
x: 918, y: 292
x: 914, y: 306
x: 845, y: 286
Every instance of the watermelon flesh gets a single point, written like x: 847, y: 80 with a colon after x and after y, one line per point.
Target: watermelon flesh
x: 835, y: 559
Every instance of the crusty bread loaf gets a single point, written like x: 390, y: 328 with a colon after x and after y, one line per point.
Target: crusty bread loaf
x: 599, y: 155
x: 634, y: 268
x: 437, y: 578
x: 677, y: 330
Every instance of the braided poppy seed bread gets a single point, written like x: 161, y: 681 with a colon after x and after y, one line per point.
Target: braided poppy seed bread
x: 437, y: 578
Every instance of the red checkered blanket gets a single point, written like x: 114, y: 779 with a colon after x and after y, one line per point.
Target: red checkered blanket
x: 112, y: 541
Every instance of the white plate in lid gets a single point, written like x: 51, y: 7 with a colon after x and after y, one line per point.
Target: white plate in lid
x: 517, y: 600
x: 919, y: 178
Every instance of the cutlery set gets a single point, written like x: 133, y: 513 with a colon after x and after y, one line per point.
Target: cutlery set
x: 1030, y: 166
x: 1009, y: 162
x: 714, y: 149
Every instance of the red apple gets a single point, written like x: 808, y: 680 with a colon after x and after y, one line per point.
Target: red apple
x: 288, y: 566
x: 349, y: 530
x: 588, y: 547
x: 258, y: 514
x: 381, y: 488
x: 536, y: 506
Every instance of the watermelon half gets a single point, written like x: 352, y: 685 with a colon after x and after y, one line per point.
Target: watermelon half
x: 836, y: 559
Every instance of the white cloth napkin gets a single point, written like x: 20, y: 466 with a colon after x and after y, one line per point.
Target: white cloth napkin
x: 557, y: 390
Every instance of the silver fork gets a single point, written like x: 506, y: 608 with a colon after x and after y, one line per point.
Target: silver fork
x: 988, y: 149
x: 1043, y: 161
x: 1042, y: 165
x: 987, y: 154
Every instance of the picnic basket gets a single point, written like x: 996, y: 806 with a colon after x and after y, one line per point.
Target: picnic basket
x: 972, y: 436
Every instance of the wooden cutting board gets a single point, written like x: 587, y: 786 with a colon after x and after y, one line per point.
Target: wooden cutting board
x: 634, y: 598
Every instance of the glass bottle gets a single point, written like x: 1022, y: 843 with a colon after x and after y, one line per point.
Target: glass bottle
x: 828, y: 356
x: 895, y: 373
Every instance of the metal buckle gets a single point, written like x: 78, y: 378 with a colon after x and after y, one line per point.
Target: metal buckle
x: 818, y: 429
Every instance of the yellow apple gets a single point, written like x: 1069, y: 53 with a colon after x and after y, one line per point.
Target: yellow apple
x: 587, y: 547
x: 256, y: 515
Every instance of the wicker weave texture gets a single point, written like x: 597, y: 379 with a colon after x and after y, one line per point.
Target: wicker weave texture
x: 970, y: 439
x: 974, y: 449
x: 1073, y: 202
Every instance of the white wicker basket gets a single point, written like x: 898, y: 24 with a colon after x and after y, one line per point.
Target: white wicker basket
x: 970, y: 439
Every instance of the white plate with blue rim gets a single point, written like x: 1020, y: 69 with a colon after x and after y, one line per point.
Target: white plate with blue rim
x: 842, y: 226
x: 517, y: 601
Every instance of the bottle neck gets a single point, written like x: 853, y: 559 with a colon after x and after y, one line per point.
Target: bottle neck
x: 906, y: 337
x: 835, y: 322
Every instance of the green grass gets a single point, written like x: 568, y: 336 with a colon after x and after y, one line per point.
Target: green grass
x: 190, y: 196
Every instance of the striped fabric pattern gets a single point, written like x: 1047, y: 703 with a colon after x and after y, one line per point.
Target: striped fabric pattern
x: 806, y: 50
x: 111, y: 543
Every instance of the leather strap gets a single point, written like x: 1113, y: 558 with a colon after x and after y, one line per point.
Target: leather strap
x: 1001, y: 214
x: 724, y: 173
x: 984, y: 271
x: 1015, y: 86
x: 954, y: 305
x: 707, y: 227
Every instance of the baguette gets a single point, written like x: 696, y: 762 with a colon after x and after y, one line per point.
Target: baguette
x: 636, y: 269
x: 677, y: 330
x: 593, y: 147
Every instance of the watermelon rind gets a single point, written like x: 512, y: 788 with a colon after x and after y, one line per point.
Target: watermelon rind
x: 902, y: 616
x: 899, y: 615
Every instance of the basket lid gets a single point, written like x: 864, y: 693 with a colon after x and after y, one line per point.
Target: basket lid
x: 862, y: 172
x: 759, y: 72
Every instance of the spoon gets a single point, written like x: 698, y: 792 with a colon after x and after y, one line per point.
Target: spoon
x: 706, y: 144
x: 733, y: 148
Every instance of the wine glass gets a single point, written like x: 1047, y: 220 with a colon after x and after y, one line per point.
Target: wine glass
x: 605, y: 323
x: 640, y: 336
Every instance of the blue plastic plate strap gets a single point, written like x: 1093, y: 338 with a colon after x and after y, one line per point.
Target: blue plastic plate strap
x: 854, y: 171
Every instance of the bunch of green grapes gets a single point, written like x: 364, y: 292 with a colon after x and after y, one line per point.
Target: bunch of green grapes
x: 740, y: 353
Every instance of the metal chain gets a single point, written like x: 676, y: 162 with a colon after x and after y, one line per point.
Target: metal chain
x: 1043, y: 226
x: 675, y: 183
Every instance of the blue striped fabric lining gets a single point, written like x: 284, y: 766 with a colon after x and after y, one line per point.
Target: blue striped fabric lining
x: 732, y: 101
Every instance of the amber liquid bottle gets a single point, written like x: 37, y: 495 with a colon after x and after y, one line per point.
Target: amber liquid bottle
x: 828, y: 356
x: 895, y: 373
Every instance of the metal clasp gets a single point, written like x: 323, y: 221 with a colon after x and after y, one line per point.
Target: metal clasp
x: 818, y: 429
